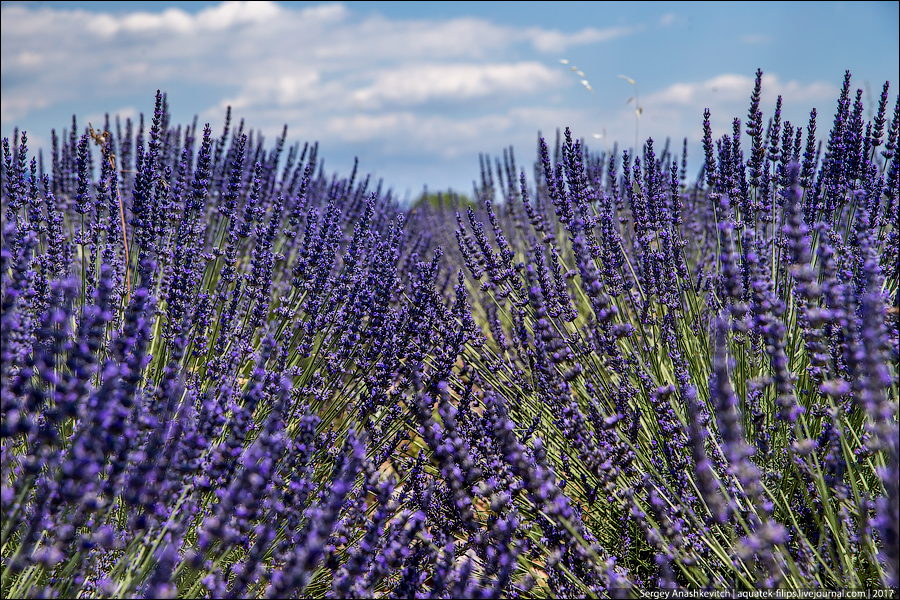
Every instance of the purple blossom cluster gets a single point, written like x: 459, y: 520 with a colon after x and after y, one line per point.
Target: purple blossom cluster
x: 227, y: 373
x: 215, y: 359
x: 715, y: 362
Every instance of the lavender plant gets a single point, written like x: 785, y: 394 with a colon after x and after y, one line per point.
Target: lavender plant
x: 714, y: 365
x: 228, y: 374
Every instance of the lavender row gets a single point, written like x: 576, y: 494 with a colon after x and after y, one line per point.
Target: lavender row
x: 714, y: 363
x: 218, y: 367
x: 228, y: 374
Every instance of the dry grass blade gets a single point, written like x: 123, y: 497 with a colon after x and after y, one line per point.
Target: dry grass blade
x: 102, y: 140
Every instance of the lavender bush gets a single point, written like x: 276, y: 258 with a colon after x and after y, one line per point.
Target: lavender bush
x: 228, y: 374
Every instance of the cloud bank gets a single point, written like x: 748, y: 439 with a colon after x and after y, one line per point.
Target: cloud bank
x: 414, y: 91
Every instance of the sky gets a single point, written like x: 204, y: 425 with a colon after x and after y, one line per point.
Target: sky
x: 416, y: 90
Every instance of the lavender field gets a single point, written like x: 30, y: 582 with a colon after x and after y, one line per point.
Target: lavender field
x: 229, y: 373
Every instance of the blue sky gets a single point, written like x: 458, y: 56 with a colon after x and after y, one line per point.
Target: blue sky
x: 417, y: 90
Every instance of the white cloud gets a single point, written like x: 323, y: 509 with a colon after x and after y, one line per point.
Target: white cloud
x: 175, y: 20
x: 287, y: 89
x: 172, y: 19
x: 13, y: 108
x: 28, y: 59
x: 729, y: 87
x: 96, y: 119
x: 390, y: 87
x: 447, y: 137
x: 263, y: 59
x: 677, y: 110
x: 557, y: 41
x: 668, y: 19
x: 229, y: 14
x: 416, y: 84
